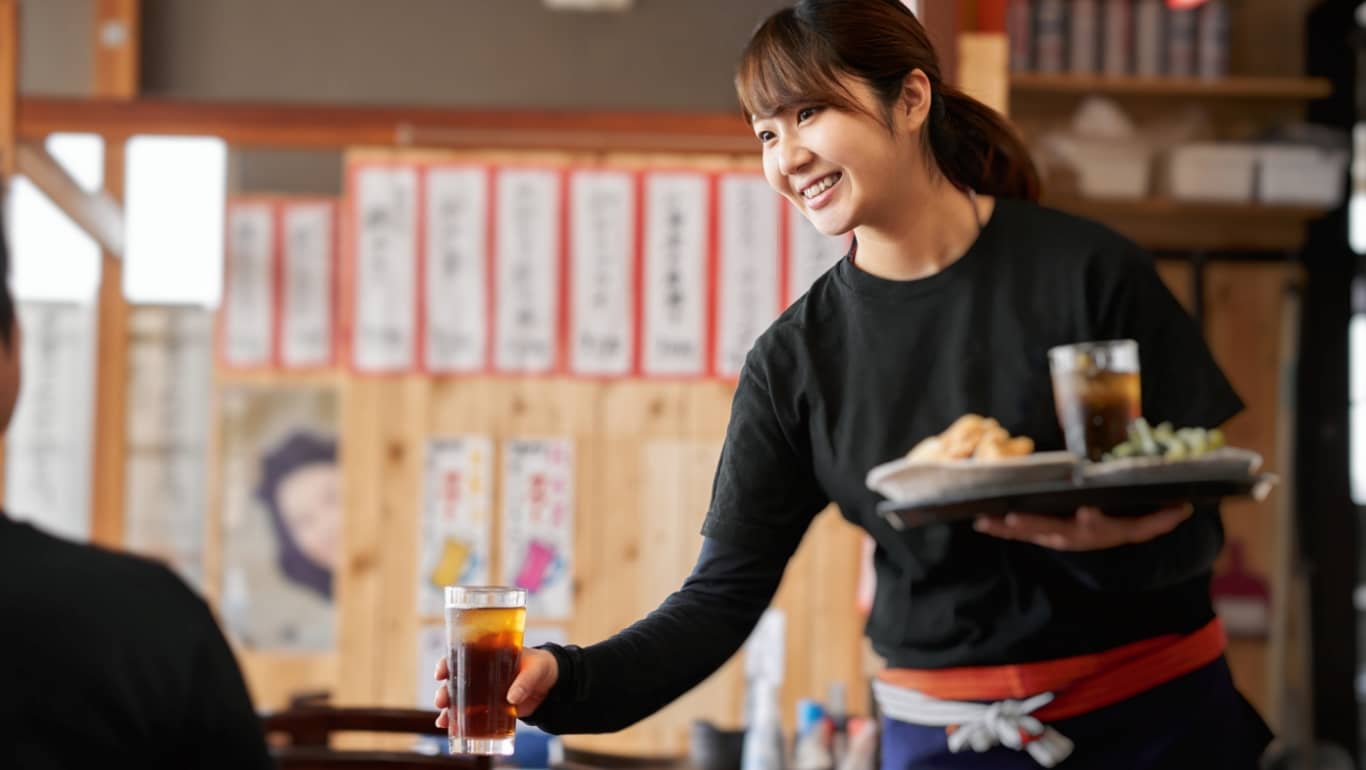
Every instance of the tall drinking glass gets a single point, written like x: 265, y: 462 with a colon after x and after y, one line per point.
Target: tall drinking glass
x: 484, y: 626
x: 1096, y: 393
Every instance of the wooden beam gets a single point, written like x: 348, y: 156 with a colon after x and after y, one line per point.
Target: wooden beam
x: 9, y: 86
x: 118, y: 39
x: 243, y: 124
x: 116, y: 45
x: 95, y: 213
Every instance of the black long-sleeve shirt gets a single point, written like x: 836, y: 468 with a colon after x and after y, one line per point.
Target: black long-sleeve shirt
x: 856, y: 373
x: 107, y: 658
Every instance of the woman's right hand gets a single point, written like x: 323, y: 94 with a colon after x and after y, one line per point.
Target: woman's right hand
x: 537, y: 673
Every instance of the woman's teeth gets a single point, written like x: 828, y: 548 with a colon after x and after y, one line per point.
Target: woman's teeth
x: 820, y: 187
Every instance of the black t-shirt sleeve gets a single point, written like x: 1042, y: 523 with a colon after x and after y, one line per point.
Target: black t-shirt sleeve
x: 765, y: 493
x: 615, y: 683
x: 222, y: 729
x: 1182, y: 384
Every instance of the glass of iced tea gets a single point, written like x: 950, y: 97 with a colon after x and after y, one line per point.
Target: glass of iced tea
x: 484, y: 626
x: 1096, y: 393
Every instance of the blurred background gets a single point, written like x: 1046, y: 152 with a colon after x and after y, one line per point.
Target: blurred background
x: 330, y: 303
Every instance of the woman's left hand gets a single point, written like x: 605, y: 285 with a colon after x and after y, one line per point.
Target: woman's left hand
x: 1088, y: 530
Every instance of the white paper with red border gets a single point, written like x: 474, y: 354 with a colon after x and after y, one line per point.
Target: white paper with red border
x: 307, y: 337
x: 602, y: 259
x: 749, y: 267
x: 527, y: 264
x: 456, y: 329
x: 675, y: 294
x: 249, y: 288
x: 384, y: 271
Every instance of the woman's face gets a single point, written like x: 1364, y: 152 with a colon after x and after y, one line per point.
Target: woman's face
x: 841, y: 168
x: 310, y: 504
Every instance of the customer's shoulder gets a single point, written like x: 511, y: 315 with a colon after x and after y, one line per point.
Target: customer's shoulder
x: 100, y: 574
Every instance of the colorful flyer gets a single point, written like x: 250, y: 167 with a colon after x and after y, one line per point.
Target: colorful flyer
x: 810, y: 253
x: 309, y: 276
x: 748, y: 267
x: 455, y: 536
x: 456, y: 259
x: 528, y: 270
x: 538, y: 524
x: 675, y: 291
x: 602, y: 265
x: 384, y: 276
x: 249, y: 290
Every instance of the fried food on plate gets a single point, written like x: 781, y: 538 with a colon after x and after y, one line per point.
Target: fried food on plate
x: 972, y: 436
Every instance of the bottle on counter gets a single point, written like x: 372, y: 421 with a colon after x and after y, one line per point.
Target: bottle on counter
x: 1149, y: 25
x: 763, y: 747
x: 1020, y: 32
x: 1117, y: 48
x: 1181, y: 42
x: 1050, y: 36
x: 1212, y: 35
x: 1081, y: 41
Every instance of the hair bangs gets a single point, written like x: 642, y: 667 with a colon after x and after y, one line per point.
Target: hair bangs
x: 786, y: 66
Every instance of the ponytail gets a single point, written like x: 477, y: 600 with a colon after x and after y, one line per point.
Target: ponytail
x: 976, y: 148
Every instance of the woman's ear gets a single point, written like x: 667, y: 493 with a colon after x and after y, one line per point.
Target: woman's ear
x: 913, y: 108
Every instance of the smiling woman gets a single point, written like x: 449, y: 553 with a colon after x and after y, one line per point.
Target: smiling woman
x: 1026, y: 641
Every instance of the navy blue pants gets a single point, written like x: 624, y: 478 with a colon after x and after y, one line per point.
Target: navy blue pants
x: 1196, y: 721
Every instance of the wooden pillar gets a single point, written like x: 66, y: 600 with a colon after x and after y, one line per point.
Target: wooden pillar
x: 117, y: 39
x: 9, y: 84
x: 940, y: 18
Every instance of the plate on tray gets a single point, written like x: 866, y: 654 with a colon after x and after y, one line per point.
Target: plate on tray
x: 1117, y: 494
x: 904, y: 479
x: 1225, y: 462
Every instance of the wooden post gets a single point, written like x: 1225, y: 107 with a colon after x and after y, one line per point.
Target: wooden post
x: 116, y: 77
x: 9, y: 85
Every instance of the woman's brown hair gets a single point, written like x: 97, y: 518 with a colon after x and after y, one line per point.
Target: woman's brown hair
x: 798, y: 55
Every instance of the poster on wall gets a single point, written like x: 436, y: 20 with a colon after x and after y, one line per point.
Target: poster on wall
x: 456, y: 259
x: 384, y: 273
x: 528, y: 270
x: 280, y: 499
x: 249, y: 288
x: 810, y: 253
x: 675, y: 280
x: 538, y: 523
x: 47, y: 446
x: 748, y: 273
x: 170, y: 366
x: 602, y: 273
x: 455, y: 536
x: 308, y: 251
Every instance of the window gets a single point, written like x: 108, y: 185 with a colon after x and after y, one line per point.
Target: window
x: 173, y: 206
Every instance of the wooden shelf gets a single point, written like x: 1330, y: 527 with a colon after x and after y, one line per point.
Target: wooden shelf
x: 1161, y: 224
x: 1260, y: 88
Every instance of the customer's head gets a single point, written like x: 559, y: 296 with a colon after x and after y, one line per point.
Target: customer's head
x: 9, y: 332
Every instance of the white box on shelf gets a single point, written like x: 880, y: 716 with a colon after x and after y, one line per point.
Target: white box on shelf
x: 1110, y: 169
x: 1222, y: 172
x: 1302, y: 175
